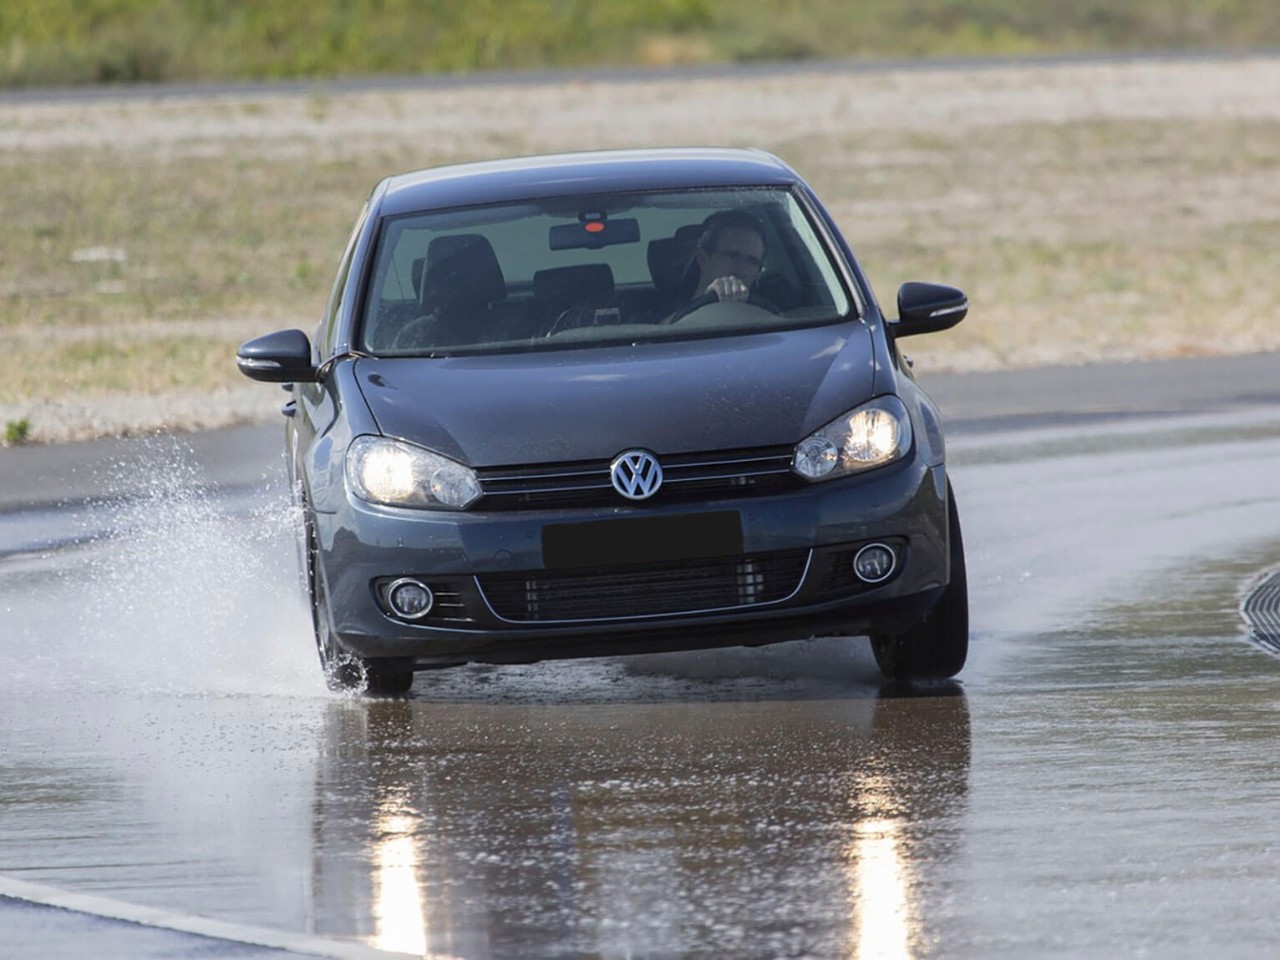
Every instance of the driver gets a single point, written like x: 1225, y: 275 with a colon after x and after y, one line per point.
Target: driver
x: 729, y: 255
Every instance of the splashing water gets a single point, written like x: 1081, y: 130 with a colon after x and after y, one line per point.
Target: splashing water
x: 181, y: 588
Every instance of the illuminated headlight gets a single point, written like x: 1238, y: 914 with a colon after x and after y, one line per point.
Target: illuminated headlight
x: 399, y: 474
x: 874, y: 434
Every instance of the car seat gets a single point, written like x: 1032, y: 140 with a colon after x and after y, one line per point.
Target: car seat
x: 557, y: 289
x: 461, y: 281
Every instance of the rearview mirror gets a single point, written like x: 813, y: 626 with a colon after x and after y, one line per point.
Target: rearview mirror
x: 594, y: 232
x: 928, y: 308
x: 280, y: 357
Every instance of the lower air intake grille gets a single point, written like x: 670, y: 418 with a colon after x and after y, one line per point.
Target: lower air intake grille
x: 648, y: 591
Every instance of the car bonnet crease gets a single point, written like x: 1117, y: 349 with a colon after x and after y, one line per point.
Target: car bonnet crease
x: 673, y: 397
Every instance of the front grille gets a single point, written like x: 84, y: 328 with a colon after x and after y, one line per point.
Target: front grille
x: 703, y: 476
x: 646, y: 591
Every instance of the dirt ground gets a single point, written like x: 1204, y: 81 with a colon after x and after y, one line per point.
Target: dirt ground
x: 846, y: 130
x: 759, y: 107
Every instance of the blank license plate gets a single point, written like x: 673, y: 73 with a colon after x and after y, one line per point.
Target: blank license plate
x: 611, y: 543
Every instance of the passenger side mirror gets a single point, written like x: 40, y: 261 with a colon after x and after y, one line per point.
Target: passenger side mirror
x: 280, y: 357
x: 928, y: 308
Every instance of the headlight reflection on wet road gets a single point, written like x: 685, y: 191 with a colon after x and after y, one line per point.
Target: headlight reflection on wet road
x: 881, y: 911
x: 398, y: 910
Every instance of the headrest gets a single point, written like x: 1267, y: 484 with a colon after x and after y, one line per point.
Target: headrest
x: 462, y: 270
x: 670, y: 259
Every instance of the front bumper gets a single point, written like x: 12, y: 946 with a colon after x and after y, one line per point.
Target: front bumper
x: 495, y: 594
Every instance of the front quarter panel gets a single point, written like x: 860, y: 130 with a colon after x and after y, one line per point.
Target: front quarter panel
x: 338, y: 415
x: 926, y: 419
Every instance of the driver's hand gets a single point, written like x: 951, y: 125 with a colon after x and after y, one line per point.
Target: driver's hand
x: 729, y: 288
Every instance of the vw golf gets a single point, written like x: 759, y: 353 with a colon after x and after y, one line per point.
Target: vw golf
x: 614, y: 402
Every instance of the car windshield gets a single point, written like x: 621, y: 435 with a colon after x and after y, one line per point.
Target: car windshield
x: 618, y: 268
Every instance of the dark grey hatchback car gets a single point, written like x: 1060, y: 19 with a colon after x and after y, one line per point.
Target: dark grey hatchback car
x: 609, y: 403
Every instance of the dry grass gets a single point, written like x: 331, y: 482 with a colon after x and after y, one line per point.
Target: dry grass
x: 1091, y: 212
x: 1107, y: 239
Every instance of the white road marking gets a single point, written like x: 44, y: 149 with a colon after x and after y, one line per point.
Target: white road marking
x: 111, y: 909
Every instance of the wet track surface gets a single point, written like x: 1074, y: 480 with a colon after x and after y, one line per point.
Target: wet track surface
x: 1100, y: 782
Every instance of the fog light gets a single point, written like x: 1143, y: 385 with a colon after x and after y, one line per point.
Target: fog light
x: 410, y: 599
x: 875, y: 563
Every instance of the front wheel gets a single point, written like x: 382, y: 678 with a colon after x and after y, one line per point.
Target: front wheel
x: 936, y: 647
x: 343, y: 670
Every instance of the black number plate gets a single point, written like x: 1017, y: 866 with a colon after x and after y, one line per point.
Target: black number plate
x: 611, y: 543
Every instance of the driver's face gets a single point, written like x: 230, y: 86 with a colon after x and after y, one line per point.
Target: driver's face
x: 737, y: 252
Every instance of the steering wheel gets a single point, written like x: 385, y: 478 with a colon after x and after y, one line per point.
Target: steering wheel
x: 697, y: 303
x: 415, y: 334
x: 585, y: 315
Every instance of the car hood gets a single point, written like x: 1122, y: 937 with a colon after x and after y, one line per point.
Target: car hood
x: 591, y: 404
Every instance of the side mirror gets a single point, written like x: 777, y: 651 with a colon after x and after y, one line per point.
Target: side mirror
x: 280, y: 357
x: 928, y: 308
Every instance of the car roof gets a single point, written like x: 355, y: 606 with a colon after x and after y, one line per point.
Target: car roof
x: 568, y: 174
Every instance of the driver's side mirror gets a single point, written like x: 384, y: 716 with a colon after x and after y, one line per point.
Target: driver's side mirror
x: 280, y: 357
x: 928, y: 308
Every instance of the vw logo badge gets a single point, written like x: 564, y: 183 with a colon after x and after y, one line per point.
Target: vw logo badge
x: 636, y: 474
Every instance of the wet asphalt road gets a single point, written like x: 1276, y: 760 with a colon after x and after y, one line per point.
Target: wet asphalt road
x: 1101, y: 782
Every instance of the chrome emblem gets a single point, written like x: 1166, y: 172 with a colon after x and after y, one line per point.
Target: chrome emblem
x: 636, y: 474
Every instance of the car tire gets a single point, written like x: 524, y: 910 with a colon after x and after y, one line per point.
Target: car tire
x: 384, y: 681
x: 343, y: 670
x: 935, y: 648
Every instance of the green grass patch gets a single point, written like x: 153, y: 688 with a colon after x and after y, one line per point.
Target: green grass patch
x: 1074, y: 240
x: 17, y: 432
x: 113, y: 41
